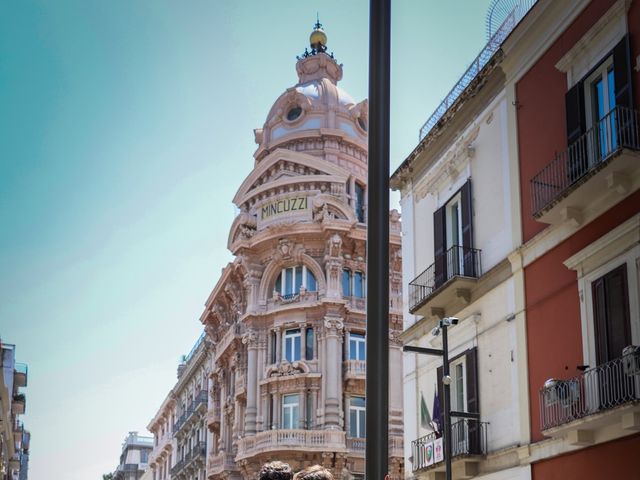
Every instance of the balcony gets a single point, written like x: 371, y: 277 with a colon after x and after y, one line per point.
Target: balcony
x: 291, y: 440
x: 199, y: 403
x: 447, y: 283
x: 20, y: 375
x: 357, y: 446
x: 194, y: 459
x: 355, y: 369
x: 593, y: 174
x: 223, y: 462
x: 468, y: 444
x: 18, y: 405
x: 304, y: 297
x: 213, y: 418
x: 606, y: 397
x: 356, y: 303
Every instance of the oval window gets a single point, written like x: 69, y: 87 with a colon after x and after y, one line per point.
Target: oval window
x: 294, y: 113
x: 362, y: 123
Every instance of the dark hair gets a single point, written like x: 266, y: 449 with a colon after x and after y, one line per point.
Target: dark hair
x: 315, y: 472
x: 275, y: 471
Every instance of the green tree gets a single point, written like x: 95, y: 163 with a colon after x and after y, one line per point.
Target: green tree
x: 107, y: 476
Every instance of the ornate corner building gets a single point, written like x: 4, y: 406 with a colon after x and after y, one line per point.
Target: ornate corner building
x: 287, y: 317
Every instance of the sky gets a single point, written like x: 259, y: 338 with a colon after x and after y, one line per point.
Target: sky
x: 126, y: 127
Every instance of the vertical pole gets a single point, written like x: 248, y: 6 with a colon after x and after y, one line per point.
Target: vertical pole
x: 447, y: 402
x: 377, y: 383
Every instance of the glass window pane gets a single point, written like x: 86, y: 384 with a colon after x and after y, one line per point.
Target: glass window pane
x: 308, y: 344
x: 346, y: 283
x: 298, y: 282
x: 278, y: 287
x: 363, y: 430
x: 361, y: 351
x: 288, y: 288
x: 358, y: 288
x: 353, y: 423
x: 357, y: 402
x: 352, y: 349
x: 359, y: 202
x: 612, y: 89
x: 296, y: 347
x: 311, y: 282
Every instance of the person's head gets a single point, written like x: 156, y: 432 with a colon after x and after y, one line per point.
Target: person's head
x: 315, y: 472
x: 275, y: 471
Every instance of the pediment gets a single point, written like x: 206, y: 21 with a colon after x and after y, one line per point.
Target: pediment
x: 285, y: 167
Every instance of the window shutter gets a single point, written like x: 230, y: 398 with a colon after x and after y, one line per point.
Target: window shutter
x: 574, y: 103
x: 439, y: 242
x: 473, y: 402
x: 622, y: 73
x: 467, y: 230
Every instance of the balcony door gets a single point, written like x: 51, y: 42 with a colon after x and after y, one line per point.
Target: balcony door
x: 453, y: 238
x: 612, y: 333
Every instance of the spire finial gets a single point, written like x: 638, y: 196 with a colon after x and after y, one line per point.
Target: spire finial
x: 318, y: 39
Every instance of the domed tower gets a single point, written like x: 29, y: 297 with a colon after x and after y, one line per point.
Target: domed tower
x: 288, y: 315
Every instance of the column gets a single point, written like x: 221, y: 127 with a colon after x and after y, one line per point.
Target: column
x: 395, y: 384
x: 333, y: 337
x: 278, y: 345
x: 250, y: 339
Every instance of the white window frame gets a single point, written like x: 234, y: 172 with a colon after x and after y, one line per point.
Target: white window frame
x: 357, y: 338
x: 460, y: 362
x: 293, y: 408
x: 361, y: 412
x: 291, y: 334
x: 283, y: 279
x: 617, y: 247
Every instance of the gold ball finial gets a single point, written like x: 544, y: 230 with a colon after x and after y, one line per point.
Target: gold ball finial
x: 318, y: 39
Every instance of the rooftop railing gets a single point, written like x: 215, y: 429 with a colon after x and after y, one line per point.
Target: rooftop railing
x: 596, y: 390
x: 483, y: 58
x: 457, y: 261
x: 468, y: 437
x: 570, y: 168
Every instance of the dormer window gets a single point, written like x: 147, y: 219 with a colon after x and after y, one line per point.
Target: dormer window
x: 292, y: 279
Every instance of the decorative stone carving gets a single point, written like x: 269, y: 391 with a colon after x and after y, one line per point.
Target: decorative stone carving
x: 333, y: 324
x: 394, y: 338
x: 335, y: 245
x: 250, y: 338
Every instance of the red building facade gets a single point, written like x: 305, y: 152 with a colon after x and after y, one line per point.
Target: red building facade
x: 578, y: 141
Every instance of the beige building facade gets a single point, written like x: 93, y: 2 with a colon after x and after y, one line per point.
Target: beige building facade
x: 179, y: 427
x: 287, y: 317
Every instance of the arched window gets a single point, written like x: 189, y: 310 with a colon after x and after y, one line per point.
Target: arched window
x: 292, y: 279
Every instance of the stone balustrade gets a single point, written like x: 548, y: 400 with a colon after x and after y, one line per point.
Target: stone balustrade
x: 355, y: 369
x: 304, y: 440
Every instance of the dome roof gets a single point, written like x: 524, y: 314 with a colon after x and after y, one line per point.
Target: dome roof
x: 313, y: 90
x: 315, y: 105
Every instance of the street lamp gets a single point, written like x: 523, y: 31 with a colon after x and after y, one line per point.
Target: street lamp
x: 442, y: 327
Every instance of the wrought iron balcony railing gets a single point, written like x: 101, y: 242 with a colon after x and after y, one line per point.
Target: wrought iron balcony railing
x: 468, y: 437
x: 598, y: 389
x: 457, y: 261
x: 199, y: 399
x: 617, y: 130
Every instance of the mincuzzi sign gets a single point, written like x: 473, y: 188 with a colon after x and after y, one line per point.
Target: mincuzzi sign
x: 283, y: 208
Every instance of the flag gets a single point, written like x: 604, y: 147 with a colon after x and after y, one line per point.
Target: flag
x: 425, y: 418
x: 437, y: 415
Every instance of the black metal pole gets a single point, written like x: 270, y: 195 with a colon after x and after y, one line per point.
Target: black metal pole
x: 447, y: 402
x: 377, y: 379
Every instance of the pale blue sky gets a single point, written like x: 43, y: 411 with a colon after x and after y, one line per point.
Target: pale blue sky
x: 125, y: 129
